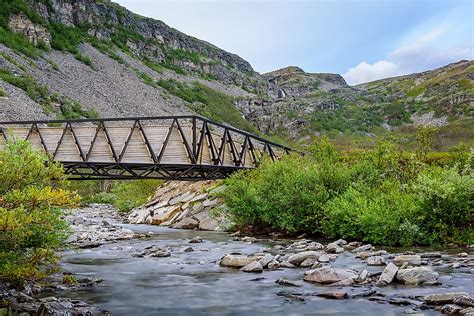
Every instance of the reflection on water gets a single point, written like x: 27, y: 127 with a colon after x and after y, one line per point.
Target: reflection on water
x: 192, y: 283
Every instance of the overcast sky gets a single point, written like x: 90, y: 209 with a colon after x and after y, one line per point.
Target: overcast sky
x: 363, y: 40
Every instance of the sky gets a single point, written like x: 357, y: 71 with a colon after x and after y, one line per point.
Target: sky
x: 363, y: 40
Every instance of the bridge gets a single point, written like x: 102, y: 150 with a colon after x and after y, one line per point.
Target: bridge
x: 167, y: 147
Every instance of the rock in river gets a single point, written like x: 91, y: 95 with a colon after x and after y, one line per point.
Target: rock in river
x: 255, y: 267
x: 445, y: 298
x: 237, y: 261
x: 388, y: 274
x: 327, y: 275
x: 334, y: 294
x: 296, y: 259
x: 413, y: 260
x: 417, y: 275
x: 376, y: 261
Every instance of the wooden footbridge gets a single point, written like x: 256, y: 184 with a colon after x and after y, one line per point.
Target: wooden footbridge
x: 169, y: 147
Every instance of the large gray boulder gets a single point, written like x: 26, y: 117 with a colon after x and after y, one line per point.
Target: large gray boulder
x: 445, y: 298
x: 237, y: 261
x: 255, y: 267
x: 328, y: 275
x: 413, y: 260
x: 388, y: 274
x: 417, y: 275
x: 186, y: 223
x: 296, y: 259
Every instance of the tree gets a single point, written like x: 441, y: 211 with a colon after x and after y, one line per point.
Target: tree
x: 32, y: 200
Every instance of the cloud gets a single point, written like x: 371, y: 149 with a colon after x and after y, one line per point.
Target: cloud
x: 365, y: 72
x: 429, y: 50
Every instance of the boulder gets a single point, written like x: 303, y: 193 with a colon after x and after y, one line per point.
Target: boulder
x: 296, y: 259
x: 139, y: 216
x: 324, y: 258
x: 413, y: 260
x: 237, y: 261
x: 340, y: 242
x: 308, y: 262
x: 334, y: 294
x: 165, y: 214
x: 417, y: 275
x: 450, y: 309
x: 464, y: 301
x: 254, y: 266
x: 199, y: 197
x: 273, y: 265
x: 266, y: 260
x: 363, y: 248
x: 196, y: 240
x: 346, y: 282
x: 445, y: 298
x: 208, y: 224
x: 363, y: 276
x: 376, y: 261
x: 328, y: 275
x: 334, y: 248
x: 286, y: 282
x: 388, y: 274
x: 186, y: 223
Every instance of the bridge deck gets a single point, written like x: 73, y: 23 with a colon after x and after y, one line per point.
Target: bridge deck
x: 178, y: 148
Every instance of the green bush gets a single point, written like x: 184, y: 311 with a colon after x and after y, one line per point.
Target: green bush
x: 372, y: 215
x: 446, y: 204
x: 31, y: 202
x: 288, y: 195
x: 382, y: 195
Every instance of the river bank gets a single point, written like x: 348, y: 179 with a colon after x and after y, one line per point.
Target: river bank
x: 149, y: 270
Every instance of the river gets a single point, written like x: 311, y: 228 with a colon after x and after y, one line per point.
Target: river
x: 193, y: 283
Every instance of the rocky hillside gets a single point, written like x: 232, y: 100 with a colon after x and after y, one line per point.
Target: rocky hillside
x: 85, y: 58
x: 90, y: 58
x: 310, y: 104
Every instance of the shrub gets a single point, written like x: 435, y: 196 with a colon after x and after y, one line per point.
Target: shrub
x: 31, y: 199
x: 446, y: 204
x: 372, y: 215
x: 287, y: 195
x: 383, y: 196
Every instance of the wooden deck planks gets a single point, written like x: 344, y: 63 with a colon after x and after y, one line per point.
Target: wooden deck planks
x: 137, y: 150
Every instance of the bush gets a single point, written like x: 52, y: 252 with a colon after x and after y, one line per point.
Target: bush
x: 446, y: 204
x: 287, y: 195
x: 31, y: 199
x: 372, y: 215
x: 383, y: 196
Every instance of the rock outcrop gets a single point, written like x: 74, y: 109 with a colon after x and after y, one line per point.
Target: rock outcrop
x: 183, y: 205
x: 36, y: 33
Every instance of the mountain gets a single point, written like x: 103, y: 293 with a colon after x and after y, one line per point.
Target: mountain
x: 90, y: 58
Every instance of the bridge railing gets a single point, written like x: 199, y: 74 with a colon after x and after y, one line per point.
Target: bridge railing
x: 187, y: 146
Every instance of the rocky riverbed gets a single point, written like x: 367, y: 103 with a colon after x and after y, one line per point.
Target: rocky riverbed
x: 148, y: 270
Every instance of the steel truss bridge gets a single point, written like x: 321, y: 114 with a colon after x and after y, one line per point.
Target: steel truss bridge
x: 168, y: 147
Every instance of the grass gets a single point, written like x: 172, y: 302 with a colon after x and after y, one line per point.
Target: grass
x: 12, y: 61
x: 85, y: 59
x: 2, y: 92
x: 208, y: 102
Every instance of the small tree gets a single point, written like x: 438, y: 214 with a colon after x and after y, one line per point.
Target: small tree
x: 31, y: 202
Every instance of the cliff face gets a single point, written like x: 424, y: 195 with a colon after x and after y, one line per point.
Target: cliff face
x: 150, y: 38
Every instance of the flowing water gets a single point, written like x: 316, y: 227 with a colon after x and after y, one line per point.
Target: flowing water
x: 192, y: 283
